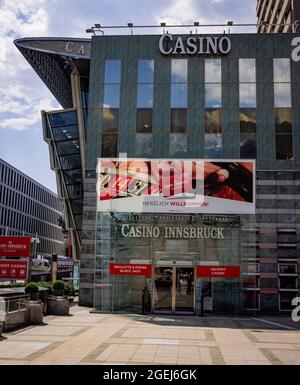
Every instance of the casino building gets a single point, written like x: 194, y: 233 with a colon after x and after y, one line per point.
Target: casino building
x: 227, y: 99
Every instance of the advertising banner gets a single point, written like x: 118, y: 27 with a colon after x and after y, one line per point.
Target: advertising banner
x: 14, y: 246
x: 176, y: 186
x: 130, y: 269
x: 13, y: 269
x: 218, y: 271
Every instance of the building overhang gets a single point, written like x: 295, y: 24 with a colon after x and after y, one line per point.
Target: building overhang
x: 54, y: 59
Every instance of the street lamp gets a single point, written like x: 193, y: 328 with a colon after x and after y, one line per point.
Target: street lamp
x: 35, y: 240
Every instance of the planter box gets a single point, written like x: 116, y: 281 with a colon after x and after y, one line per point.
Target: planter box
x: 36, y: 312
x: 34, y: 296
x: 16, y: 319
x: 58, y: 305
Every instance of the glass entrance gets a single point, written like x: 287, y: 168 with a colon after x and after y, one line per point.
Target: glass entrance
x: 184, y: 295
x: 173, y: 289
x: 163, y: 289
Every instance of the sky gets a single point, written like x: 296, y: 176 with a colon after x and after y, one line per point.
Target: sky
x: 23, y: 95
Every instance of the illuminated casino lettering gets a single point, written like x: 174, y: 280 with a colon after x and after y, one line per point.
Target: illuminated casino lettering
x: 186, y: 232
x: 194, y: 45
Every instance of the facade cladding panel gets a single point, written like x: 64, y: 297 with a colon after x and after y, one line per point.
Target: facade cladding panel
x: 278, y: 16
x: 243, y: 104
x: 28, y: 208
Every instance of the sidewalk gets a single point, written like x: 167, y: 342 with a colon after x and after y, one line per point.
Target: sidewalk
x: 89, y: 338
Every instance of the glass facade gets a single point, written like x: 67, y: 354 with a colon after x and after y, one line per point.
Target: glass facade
x: 124, y: 293
x: 283, y: 109
x: 144, y: 118
x: 179, y: 100
x: 213, y: 112
x: 65, y: 133
x: 247, y: 93
x: 28, y: 208
x: 111, y: 105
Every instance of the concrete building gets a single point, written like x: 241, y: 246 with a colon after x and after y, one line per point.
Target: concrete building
x: 278, y: 16
x: 28, y: 208
x: 220, y: 97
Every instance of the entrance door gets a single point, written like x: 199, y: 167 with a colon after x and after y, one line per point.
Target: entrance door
x: 184, y: 295
x: 173, y: 289
x: 163, y: 289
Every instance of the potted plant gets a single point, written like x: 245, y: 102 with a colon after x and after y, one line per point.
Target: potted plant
x: 35, y: 306
x: 33, y: 290
x: 57, y: 303
x: 58, y: 288
x: 70, y: 292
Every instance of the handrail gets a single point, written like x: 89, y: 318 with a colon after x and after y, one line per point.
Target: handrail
x: 15, y: 303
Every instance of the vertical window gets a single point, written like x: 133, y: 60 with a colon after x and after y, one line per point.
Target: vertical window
x: 144, y: 118
x: 283, y: 111
x: 111, y: 105
x: 178, y: 127
x: 213, y: 104
x: 283, y: 132
x: 247, y: 93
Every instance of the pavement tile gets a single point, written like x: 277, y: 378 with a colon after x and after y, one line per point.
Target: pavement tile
x: 92, y: 338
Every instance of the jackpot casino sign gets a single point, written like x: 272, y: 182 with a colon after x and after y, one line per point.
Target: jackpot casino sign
x: 13, y: 269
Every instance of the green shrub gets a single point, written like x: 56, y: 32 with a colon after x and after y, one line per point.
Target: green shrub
x: 31, y: 287
x: 11, y: 285
x: 58, y: 285
x: 47, y: 285
x: 69, y: 290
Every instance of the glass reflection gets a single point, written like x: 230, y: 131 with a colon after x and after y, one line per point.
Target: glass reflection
x: 63, y: 119
x: 282, y: 71
x: 248, y: 95
x: 178, y: 145
x: 247, y: 70
x: 248, y: 146
x: 213, y: 145
x: 144, y: 145
x: 144, y: 121
x: 145, y: 71
x: 282, y: 95
x: 179, y: 70
x: 67, y: 147
x: 145, y: 95
x: 213, y: 73
x: 65, y: 133
x: 179, y: 95
x: 213, y: 95
x: 284, y: 146
x: 213, y: 121
x: 109, y: 145
x: 247, y: 120
x: 178, y: 120
x: 110, y: 120
x: 112, y: 71
x: 111, y: 96
x: 283, y: 120
x: 70, y: 162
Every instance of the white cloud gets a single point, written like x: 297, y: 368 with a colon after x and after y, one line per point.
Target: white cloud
x: 20, y: 94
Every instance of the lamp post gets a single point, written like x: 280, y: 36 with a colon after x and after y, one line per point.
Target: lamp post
x: 35, y: 240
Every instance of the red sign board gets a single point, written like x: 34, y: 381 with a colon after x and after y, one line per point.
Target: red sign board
x: 130, y: 269
x: 13, y: 269
x: 218, y: 271
x: 14, y: 246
